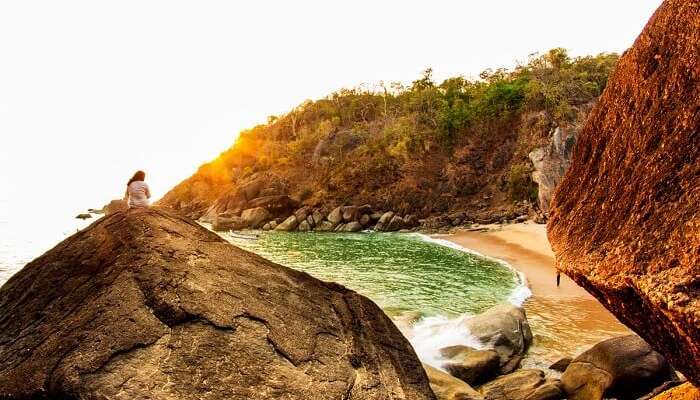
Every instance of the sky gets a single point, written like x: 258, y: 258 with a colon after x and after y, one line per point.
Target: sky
x: 91, y: 91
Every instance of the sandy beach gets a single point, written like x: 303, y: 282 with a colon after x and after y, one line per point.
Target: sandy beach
x: 576, y: 319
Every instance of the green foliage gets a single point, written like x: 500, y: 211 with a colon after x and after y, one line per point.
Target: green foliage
x: 353, y: 137
x: 520, y: 185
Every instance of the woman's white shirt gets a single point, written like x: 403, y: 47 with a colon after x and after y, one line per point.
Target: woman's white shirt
x: 138, y: 194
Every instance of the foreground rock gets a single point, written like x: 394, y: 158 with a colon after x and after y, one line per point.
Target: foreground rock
x: 524, y: 384
x: 625, y: 221
x: 625, y: 367
x: 506, y: 329
x: 145, y: 304
x: 447, y: 387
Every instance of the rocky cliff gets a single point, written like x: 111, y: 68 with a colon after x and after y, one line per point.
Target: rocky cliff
x: 145, y: 304
x: 625, y: 221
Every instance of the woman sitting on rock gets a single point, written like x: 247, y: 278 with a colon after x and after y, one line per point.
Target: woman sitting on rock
x: 137, y: 192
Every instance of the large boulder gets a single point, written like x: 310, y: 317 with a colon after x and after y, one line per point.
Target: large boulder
x: 505, y: 328
x: 288, y: 224
x: 625, y: 222
x: 384, y: 221
x: 352, y: 226
x: 625, y: 367
x: 336, y: 216
x: 255, y: 217
x: 524, y: 384
x: 145, y: 304
x: 447, y: 387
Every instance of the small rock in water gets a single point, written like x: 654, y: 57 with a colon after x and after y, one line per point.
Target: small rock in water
x: 83, y: 216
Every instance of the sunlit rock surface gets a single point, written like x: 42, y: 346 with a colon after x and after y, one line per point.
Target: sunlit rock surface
x: 625, y: 221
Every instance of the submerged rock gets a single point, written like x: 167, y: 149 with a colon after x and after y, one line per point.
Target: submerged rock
x: 625, y: 367
x: 146, y: 304
x: 505, y: 328
x: 83, y: 216
x: 625, y: 221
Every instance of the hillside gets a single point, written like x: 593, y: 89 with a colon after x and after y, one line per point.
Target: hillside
x: 426, y: 149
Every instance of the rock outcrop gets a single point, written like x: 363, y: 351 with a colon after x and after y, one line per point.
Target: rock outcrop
x: 550, y: 163
x: 625, y: 367
x: 505, y: 328
x: 625, y: 221
x: 145, y: 304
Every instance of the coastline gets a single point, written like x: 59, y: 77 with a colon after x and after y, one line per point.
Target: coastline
x: 574, y: 318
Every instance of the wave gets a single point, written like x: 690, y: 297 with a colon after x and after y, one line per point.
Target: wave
x: 429, y: 334
x: 521, y: 292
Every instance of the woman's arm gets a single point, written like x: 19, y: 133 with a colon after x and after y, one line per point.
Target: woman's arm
x: 126, y: 194
x: 148, y: 192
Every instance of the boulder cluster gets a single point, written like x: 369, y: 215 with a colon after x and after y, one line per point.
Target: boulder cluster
x: 304, y: 219
x: 624, y: 367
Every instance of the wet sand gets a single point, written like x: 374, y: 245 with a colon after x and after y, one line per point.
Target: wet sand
x: 565, y: 320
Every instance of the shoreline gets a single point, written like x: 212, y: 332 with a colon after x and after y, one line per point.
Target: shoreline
x: 574, y: 319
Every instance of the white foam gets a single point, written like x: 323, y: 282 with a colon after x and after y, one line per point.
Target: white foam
x: 430, y: 334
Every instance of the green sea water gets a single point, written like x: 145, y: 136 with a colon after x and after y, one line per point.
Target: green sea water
x: 400, y: 272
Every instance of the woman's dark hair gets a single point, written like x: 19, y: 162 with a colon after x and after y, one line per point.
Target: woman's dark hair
x: 138, y: 176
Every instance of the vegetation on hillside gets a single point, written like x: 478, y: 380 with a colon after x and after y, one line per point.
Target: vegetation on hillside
x: 428, y: 147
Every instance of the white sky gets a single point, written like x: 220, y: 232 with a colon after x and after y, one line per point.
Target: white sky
x: 90, y: 91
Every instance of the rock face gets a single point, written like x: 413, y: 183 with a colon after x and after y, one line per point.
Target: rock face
x: 145, y: 304
x: 625, y: 221
x: 625, y: 367
x: 550, y: 163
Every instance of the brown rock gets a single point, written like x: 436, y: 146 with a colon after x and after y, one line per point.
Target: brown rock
x: 336, y: 216
x: 624, y: 367
x: 288, y: 224
x: 506, y: 328
x: 145, y: 304
x: 625, y: 221
x: 471, y: 365
x: 350, y: 213
x: 524, y: 384
x: 447, y: 387
x: 255, y: 217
